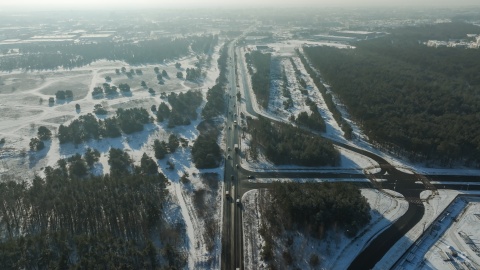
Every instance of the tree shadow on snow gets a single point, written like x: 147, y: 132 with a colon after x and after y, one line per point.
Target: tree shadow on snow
x: 35, y: 156
x: 126, y: 94
x: 138, y: 139
x: 97, y: 169
x: 103, y: 146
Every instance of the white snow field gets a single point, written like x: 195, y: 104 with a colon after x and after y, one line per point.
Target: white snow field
x: 450, y: 242
x: 434, y: 222
x: 24, y: 107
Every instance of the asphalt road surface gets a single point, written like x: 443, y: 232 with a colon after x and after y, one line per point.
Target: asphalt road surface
x: 232, y: 247
x: 236, y: 182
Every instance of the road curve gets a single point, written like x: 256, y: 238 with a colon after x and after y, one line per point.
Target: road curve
x: 402, y: 182
x: 409, y: 185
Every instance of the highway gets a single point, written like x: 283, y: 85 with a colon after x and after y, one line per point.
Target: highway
x: 236, y: 182
x: 232, y: 246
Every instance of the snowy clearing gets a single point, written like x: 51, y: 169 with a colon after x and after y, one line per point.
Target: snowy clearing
x: 24, y: 107
x: 461, y: 236
x: 435, y: 205
x: 450, y: 241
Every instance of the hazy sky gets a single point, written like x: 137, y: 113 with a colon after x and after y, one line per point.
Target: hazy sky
x: 122, y: 4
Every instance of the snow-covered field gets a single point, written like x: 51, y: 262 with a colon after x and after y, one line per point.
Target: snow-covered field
x: 462, y: 236
x: 451, y: 241
x: 434, y: 207
x: 24, y: 107
x: 335, y: 251
x: 27, y: 108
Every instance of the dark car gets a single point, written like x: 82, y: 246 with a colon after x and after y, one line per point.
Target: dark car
x: 251, y: 177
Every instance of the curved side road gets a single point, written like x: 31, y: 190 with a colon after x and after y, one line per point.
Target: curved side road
x: 409, y: 185
x: 402, y: 182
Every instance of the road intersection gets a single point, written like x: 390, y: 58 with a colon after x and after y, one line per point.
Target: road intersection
x: 410, y: 185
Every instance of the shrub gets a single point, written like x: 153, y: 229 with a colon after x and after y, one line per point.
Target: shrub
x: 36, y: 144
x: 44, y: 133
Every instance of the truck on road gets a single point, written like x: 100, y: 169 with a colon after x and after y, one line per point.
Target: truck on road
x: 235, y: 146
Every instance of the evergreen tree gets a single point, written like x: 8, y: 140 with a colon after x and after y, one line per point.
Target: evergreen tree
x: 173, y: 143
x: 91, y: 156
x: 44, y: 133
x: 148, y: 165
x: 160, y: 149
x: 119, y: 161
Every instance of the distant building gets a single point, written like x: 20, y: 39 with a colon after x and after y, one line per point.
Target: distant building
x: 472, y: 43
x: 77, y: 32
x: 50, y: 41
x: 96, y: 37
x: 256, y: 38
x: 354, y: 34
x: 458, y: 45
x: 12, y: 41
x: 436, y: 43
x: 335, y: 38
x: 53, y: 37
x: 47, y: 40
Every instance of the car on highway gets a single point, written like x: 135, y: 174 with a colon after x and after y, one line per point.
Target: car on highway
x: 232, y: 177
x: 229, y: 157
x: 238, y: 201
x: 229, y: 149
x: 237, y: 166
x: 227, y: 193
x: 251, y: 177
